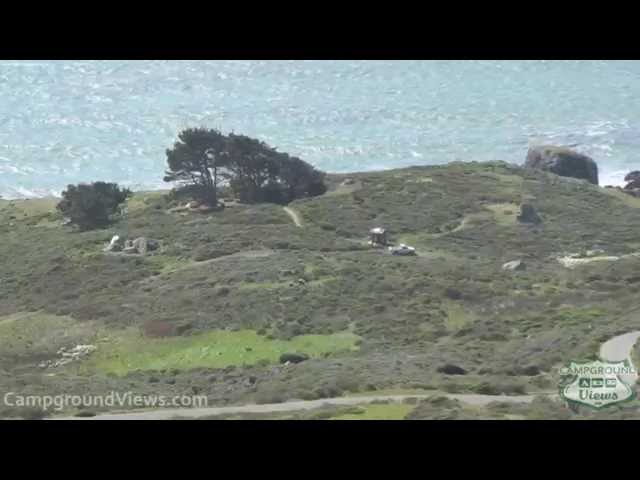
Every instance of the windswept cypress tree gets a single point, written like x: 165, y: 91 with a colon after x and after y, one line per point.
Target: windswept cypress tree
x: 255, y: 172
x: 197, y: 159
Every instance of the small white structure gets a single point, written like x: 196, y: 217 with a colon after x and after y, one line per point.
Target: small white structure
x: 115, y: 245
x: 378, y: 236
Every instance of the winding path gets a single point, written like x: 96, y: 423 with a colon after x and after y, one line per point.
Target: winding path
x: 616, y: 349
x: 295, y: 216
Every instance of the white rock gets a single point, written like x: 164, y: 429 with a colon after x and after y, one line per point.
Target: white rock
x: 514, y: 265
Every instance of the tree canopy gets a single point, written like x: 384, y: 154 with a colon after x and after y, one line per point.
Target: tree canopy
x: 195, y: 160
x: 256, y: 172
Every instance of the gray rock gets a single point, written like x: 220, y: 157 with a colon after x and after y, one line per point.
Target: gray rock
x: 528, y: 214
x: 562, y: 161
x: 140, y: 244
x: 69, y: 355
x: 515, y: 265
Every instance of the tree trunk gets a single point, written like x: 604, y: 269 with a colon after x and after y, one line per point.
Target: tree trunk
x: 211, y: 194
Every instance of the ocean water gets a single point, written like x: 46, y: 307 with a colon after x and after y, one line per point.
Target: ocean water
x: 66, y: 122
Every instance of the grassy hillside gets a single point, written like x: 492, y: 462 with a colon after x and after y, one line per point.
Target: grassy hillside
x: 230, y: 291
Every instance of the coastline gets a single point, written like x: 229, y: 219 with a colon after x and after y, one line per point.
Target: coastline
x: 607, y: 178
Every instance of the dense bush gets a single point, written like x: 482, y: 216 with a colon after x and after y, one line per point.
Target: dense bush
x: 92, y: 205
x: 259, y: 173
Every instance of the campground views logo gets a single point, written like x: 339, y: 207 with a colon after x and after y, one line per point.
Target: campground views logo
x: 597, y: 384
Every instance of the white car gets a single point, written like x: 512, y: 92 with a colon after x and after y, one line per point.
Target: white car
x: 402, y: 249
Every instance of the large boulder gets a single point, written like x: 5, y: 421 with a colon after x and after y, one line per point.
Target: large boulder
x: 528, y: 214
x: 562, y: 161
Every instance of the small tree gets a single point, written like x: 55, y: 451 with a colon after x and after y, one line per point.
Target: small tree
x: 92, y: 205
x: 197, y: 160
x: 633, y: 180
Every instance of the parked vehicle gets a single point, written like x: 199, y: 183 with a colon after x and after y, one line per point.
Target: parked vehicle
x: 402, y: 249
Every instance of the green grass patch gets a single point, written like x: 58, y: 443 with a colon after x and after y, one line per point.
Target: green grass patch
x: 579, y: 316
x: 216, y: 349
x: 141, y: 200
x: 628, y: 200
x: 39, y: 212
x: 458, y: 317
x: 30, y: 207
x: 34, y: 335
x: 505, y: 214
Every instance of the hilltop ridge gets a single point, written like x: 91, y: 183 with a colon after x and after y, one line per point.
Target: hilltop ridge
x: 231, y: 291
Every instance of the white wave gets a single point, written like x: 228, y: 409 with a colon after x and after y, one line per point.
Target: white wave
x: 10, y: 169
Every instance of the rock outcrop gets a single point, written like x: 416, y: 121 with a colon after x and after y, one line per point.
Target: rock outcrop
x: 69, y: 355
x: 140, y: 245
x: 563, y: 162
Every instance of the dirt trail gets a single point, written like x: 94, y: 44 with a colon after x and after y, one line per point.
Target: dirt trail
x: 167, y: 414
x: 295, y: 216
